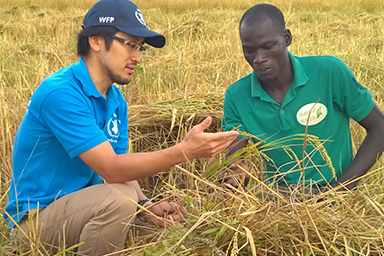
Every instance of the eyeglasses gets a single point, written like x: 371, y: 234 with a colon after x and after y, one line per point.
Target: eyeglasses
x: 132, y: 45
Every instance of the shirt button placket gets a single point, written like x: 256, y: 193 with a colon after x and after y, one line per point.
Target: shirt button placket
x: 282, y: 118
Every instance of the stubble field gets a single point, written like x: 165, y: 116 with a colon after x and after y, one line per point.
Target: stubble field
x: 176, y: 87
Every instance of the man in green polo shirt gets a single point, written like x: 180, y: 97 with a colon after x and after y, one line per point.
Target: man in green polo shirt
x: 289, y: 99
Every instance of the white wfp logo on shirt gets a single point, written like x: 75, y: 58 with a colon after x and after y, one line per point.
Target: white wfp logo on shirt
x: 311, y: 114
x: 113, y: 128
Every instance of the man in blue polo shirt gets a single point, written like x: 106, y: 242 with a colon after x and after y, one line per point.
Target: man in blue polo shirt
x: 288, y: 100
x: 74, y: 134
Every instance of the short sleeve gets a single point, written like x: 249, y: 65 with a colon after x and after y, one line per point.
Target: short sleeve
x: 231, y: 118
x: 349, y: 95
x: 68, y: 116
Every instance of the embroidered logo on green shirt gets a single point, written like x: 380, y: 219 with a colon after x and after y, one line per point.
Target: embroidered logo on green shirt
x: 311, y: 114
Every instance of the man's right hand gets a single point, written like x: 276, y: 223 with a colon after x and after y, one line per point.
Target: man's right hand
x: 197, y: 143
x: 234, y: 174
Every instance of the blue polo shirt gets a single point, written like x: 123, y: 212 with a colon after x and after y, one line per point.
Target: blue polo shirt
x: 322, y: 98
x: 66, y: 116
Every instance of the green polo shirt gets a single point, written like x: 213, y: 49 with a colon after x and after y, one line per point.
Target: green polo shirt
x: 322, y: 97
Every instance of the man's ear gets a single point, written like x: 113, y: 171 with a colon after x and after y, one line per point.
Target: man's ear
x: 95, y: 42
x: 287, y: 37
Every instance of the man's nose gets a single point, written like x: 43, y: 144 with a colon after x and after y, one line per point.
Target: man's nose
x: 259, y: 57
x: 136, y: 56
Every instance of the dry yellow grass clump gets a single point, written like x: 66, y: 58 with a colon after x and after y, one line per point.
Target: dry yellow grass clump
x: 175, y: 88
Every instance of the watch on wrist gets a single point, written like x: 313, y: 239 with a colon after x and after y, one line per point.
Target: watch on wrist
x: 142, y: 202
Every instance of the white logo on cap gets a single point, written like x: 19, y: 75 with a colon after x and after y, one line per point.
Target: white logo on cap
x: 140, y: 17
x: 106, y: 19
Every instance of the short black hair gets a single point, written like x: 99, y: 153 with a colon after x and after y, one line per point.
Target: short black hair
x: 103, y: 31
x: 254, y: 13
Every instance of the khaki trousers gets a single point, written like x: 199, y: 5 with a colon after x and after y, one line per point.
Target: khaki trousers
x: 99, y: 217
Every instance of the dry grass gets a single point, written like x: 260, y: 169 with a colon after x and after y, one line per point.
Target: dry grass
x: 176, y: 87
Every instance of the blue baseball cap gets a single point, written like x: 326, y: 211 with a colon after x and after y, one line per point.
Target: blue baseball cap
x: 125, y: 16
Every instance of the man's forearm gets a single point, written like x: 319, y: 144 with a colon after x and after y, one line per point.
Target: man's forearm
x: 369, y: 151
x: 135, y: 166
x: 371, y: 148
x: 236, y: 145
